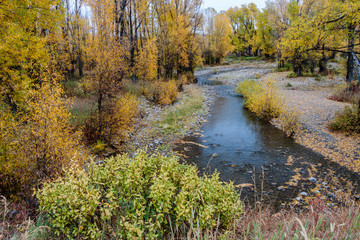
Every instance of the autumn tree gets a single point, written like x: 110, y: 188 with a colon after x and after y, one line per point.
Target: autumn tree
x: 217, y: 37
x: 318, y: 28
x: 36, y: 140
x: 243, y: 21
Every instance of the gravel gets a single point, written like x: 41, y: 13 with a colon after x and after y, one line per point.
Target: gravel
x: 310, y: 98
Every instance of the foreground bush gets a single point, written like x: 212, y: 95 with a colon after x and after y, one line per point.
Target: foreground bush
x: 141, y: 197
x: 261, y: 98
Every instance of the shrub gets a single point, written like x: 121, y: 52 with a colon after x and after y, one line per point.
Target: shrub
x: 346, y: 93
x: 287, y: 67
x: 185, y: 79
x: 261, y: 98
x: 147, y: 196
x: 292, y: 75
x: 37, y: 145
x: 348, y: 121
x: 165, y: 92
x: 77, y: 88
x: 115, y: 122
x: 290, y: 123
x: 288, y: 85
x: 318, y: 78
x: 258, y: 75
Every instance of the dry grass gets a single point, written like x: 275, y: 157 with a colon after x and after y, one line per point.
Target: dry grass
x: 262, y: 223
x: 317, y: 223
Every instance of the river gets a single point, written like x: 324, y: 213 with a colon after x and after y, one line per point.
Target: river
x: 261, y: 160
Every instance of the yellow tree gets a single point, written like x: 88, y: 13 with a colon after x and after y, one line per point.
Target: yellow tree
x: 264, y: 39
x: 221, y: 41
x: 243, y: 25
x: 36, y: 141
x: 147, y: 60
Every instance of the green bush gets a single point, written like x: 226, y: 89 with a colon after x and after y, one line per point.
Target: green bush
x: 141, y: 197
x: 348, y: 121
x: 287, y: 67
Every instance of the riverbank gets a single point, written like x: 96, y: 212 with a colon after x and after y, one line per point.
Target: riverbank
x: 161, y: 126
x: 310, y: 98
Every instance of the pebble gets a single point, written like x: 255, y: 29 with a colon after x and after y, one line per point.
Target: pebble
x: 274, y: 184
x: 249, y: 172
x: 298, y: 199
x: 313, y: 180
x: 280, y: 188
x: 304, y: 194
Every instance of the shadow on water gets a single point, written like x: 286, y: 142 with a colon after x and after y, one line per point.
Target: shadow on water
x: 246, y: 150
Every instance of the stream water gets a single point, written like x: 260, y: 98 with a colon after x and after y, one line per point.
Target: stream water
x: 255, y: 154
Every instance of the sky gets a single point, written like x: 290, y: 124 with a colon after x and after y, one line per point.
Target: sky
x: 226, y: 4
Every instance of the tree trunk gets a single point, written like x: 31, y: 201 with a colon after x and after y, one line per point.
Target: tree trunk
x: 350, y: 61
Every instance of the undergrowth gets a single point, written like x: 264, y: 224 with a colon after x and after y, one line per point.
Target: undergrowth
x: 346, y: 93
x: 177, y: 118
x: 348, y: 120
x: 260, y: 223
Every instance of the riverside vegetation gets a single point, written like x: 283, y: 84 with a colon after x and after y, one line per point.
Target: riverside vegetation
x: 264, y: 100
x: 74, y: 76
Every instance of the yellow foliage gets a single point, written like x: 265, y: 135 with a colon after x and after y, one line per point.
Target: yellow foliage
x: 165, y: 92
x: 121, y: 118
x: 261, y: 98
x: 219, y: 40
x: 38, y: 145
x: 146, y: 61
x: 290, y: 123
x: 114, y: 123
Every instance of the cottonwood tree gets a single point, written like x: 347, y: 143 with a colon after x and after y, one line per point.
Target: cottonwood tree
x: 318, y: 29
x: 36, y: 140
x: 243, y: 21
x: 217, y: 37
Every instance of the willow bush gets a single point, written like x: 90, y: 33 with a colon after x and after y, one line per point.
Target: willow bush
x: 145, y: 196
x: 261, y: 98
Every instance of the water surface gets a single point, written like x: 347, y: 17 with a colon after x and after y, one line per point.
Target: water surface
x: 246, y: 150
